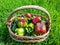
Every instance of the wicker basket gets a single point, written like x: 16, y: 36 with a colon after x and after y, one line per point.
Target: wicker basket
x: 28, y: 38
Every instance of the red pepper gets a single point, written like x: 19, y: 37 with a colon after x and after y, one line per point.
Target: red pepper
x: 40, y: 28
x: 44, y: 29
x: 35, y: 20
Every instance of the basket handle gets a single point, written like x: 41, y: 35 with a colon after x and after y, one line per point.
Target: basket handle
x: 29, y: 6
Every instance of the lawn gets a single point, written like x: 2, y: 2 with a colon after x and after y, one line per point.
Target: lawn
x: 53, y: 6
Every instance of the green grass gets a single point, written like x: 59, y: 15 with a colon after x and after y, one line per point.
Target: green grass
x: 53, y: 6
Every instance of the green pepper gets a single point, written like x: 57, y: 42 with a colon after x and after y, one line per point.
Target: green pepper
x: 19, y: 31
x: 31, y: 25
x: 30, y: 28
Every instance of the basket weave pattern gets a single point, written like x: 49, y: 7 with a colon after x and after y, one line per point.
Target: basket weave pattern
x: 28, y: 38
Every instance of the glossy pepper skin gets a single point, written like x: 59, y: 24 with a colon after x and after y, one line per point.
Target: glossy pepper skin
x: 35, y: 20
x: 29, y: 28
x: 40, y: 28
x: 44, y: 29
x: 22, y: 22
x: 20, y: 31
